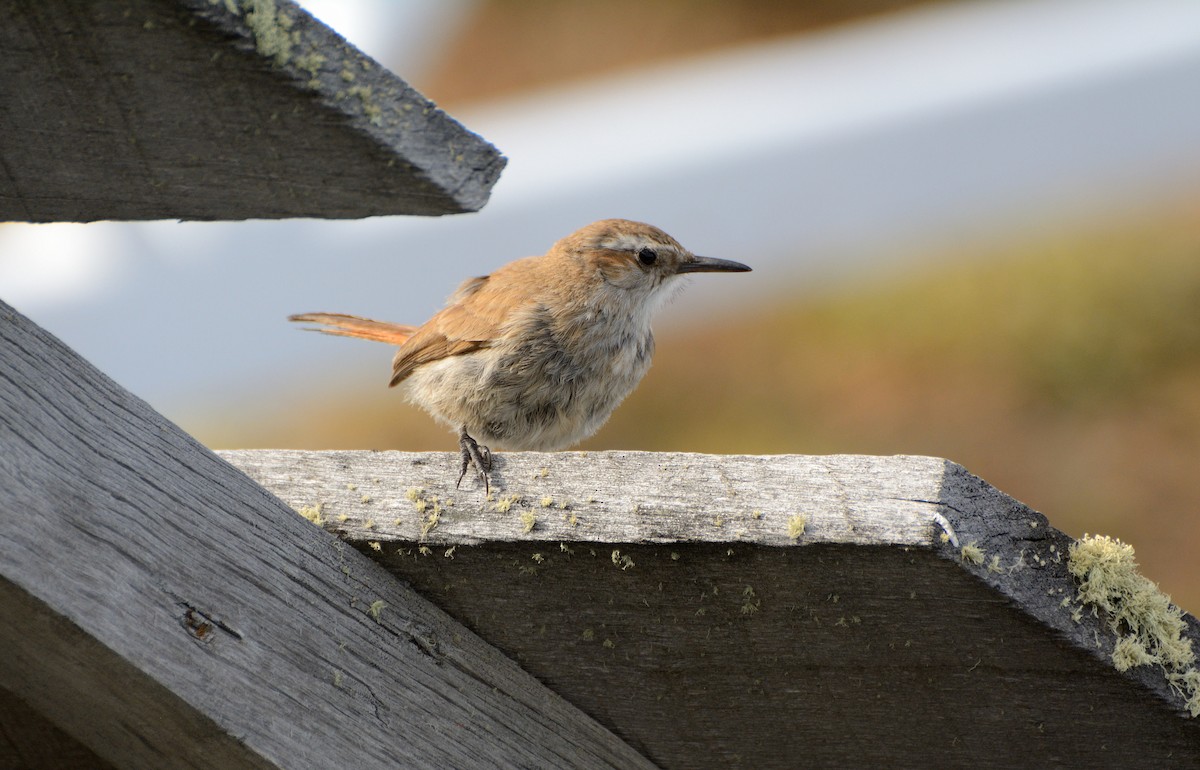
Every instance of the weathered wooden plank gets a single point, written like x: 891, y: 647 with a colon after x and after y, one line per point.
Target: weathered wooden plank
x: 29, y: 740
x: 676, y: 599
x: 193, y: 109
x: 627, y: 497
x: 165, y: 611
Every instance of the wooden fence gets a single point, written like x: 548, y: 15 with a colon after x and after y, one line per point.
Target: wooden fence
x: 165, y: 606
x: 601, y: 610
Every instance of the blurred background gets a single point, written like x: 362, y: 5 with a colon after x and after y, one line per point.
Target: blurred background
x: 975, y: 229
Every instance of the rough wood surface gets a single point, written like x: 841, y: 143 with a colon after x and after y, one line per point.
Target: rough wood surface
x: 612, y: 497
x: 194, y: 109
x: 674, y: 598
x: 165, y: 611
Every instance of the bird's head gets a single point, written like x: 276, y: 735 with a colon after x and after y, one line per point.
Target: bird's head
x: 636, y: 256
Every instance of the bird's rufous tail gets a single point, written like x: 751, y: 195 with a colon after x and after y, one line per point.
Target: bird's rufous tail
x: 353, y: 326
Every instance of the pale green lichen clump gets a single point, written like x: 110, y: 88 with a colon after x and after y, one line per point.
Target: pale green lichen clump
x: 430, y: 521
x: 973, y: 554
x: 1148, y: 627
x: 504, y: 504
x: 751, y: 603
x: 313, y: 513
x: 271, y: 29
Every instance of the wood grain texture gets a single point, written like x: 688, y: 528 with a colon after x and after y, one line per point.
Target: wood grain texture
x: 665, y: 595
x: 612, y: 496
x: 192, y: 109
x: 165, y: 611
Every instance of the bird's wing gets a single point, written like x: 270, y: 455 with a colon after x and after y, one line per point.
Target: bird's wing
x: 431, y: 348
x: 475, y: 316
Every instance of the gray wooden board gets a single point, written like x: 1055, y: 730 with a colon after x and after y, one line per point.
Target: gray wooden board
x: 193, y: 109
x: 165, y: 611
x: 29, y: 740
x: 664, y: 595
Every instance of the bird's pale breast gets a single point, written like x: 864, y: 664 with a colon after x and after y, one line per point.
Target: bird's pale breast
x: 541, y: 387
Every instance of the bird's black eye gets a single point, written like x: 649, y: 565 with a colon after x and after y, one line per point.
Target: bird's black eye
x: 647, y: 256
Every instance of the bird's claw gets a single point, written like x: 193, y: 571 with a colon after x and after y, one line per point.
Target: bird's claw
x: 477, y: 455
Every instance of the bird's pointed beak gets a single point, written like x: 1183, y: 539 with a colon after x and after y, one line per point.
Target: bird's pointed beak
x: 712, y: 265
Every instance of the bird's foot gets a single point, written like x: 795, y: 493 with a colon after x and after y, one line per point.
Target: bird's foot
x: 474, y: 454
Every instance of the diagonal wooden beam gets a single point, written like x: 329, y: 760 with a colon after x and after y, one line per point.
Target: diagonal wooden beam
x: 195, y: 109
x: 165, y: 611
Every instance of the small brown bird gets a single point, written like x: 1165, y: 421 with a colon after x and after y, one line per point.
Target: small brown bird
x: 537, y: 355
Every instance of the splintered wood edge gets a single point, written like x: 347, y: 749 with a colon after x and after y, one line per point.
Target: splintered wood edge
x: 610, y: 497
x: 373, y: 498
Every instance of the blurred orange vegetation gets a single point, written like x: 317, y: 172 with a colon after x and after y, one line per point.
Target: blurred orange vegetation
x: 1066, y: 373
x: 510, y: 46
